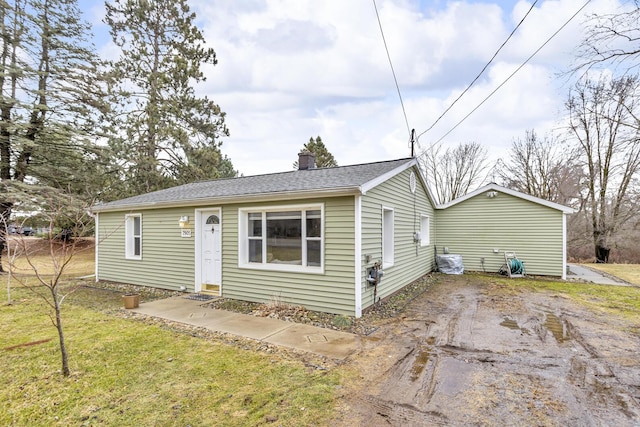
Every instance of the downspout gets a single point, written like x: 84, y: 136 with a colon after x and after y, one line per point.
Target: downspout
x: 358, y: 255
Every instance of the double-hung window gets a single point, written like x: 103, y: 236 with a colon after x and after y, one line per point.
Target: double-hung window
x: 133, y: 236
x: 282, y: 238
x: 425, y: 233
x: 388, y: 236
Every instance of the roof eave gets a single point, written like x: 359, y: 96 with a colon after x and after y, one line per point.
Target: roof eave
x: 496, y: 187
x: 384, y: 177
x: 225, y: 200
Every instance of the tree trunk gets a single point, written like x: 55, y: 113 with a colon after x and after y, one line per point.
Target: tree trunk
x: 602, y: 247
x: 602, y: 254
x: 5, y: 213
x: 63, y: 346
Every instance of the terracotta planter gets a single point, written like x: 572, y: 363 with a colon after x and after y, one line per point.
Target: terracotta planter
x: 131, y: 300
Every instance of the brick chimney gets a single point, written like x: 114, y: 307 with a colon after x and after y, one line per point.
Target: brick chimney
x: 306, y: 160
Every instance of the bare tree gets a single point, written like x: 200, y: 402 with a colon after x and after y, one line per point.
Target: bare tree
x: 57, y: 208
x: 603, y: 120
x: 453, y: 172
x: 612, y: 39
x: 542, y: 167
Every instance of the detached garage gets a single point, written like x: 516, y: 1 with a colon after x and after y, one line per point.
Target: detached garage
x: 484, y: 224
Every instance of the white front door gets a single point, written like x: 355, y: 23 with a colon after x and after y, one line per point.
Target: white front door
x: 211, y: 262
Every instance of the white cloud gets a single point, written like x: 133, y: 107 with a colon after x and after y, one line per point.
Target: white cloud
x: 292, y: 69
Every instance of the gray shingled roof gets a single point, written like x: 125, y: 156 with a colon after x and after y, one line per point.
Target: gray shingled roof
x: 304, y: 181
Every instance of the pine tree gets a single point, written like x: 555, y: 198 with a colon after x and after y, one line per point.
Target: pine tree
x: 50, y: 102
x: 165, y: 133
x: 324, y: 159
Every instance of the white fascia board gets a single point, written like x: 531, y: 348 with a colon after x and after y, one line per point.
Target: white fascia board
x: 427, y: 190
x: 382, y: 178
x: 496, y: 187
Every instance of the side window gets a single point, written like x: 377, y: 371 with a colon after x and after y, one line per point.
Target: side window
x: 133, y: 236
x: 387, y: 237
x: 255, y: 237
x: 425, y: 235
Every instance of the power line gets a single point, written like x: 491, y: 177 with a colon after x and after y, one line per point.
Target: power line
x: 516, y: 70
x: 391, y: 64
x: 481, y: 71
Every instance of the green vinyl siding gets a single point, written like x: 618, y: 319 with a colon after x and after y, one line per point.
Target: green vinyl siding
x: 411, y: 259
x: 167, y: 258
x: 332, y: 291
x: 476, y: 227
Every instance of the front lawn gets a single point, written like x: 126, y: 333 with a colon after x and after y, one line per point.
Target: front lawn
x: 627, y: 272
x: 129, y: 372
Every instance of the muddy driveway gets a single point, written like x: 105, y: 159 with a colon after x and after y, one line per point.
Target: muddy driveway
x: 472, y: 353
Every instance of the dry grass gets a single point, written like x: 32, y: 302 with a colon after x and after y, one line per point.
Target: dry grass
x: 44, y: 255
x: 623, y: 301
x: 128, y: 372
x: 627, y: 272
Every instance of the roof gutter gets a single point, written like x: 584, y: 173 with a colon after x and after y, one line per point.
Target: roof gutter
x: 262, y: 197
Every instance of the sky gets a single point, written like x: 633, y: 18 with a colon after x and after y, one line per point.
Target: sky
x: 289, y: 70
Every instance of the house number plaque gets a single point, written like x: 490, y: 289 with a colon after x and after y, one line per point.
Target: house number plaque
x: 185, y: 233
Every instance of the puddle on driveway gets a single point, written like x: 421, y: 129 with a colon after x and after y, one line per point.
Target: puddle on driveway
x: 419, y: 363
x: 510, y: 323
x: 557, y: 327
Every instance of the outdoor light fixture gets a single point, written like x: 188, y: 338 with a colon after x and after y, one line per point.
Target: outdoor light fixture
x: 183, y: 221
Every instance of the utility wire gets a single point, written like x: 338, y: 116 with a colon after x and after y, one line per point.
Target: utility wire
x: 483, y: 69
x: 391, y: 64
x: 516, y: 70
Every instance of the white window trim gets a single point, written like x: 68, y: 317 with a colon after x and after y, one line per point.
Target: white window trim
x: 129, y: 245
x: 243, y: 239
x: 388, y: 246
x: 425, y: 237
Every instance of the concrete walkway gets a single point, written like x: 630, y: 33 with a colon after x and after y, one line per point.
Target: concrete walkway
x: 321, y: 341
x: 588, y: 275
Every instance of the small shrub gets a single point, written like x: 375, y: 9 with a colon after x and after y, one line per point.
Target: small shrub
x: 342, y: 322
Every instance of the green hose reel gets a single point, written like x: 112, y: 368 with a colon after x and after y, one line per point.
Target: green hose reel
x: 515, y: 266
